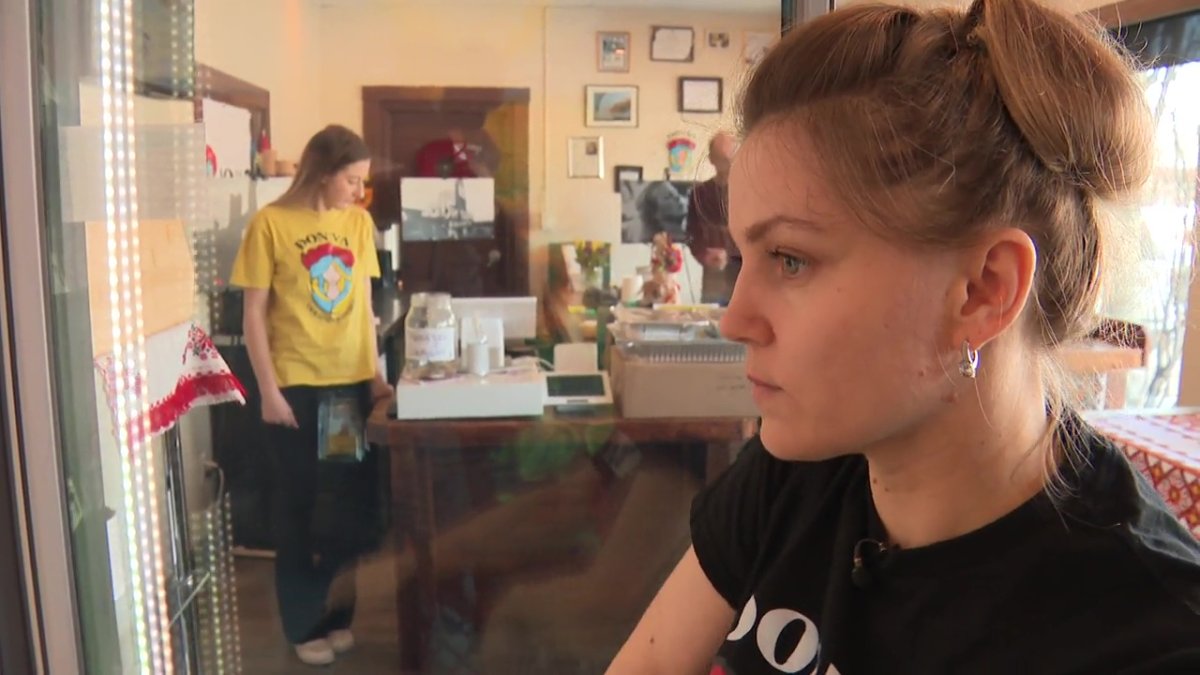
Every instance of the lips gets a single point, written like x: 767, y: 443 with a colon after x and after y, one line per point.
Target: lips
x: 761, y: 383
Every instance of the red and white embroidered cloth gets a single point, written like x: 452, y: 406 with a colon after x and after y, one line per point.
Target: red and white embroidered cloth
x: 183, y: 370
x: 1165, y: 447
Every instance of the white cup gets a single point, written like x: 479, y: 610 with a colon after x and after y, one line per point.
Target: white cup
x: 631, y: 288
x: 477, y: 358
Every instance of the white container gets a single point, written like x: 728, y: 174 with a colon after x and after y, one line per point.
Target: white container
x: 430, y: 338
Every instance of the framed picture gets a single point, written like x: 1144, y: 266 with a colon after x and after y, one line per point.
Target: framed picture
x: 718, y: 40
x: 700, y: 94
x: 612, y: 52
x: 626, y: 174
x: 672, y: 43
x: 585, y: 157
x: 756, y: 47
x: 610, y: 106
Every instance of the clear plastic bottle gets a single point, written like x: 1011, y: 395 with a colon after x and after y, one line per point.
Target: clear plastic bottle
x: 430, y: 338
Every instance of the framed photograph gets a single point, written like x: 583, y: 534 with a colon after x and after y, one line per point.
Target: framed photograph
x: 700, y: 94
x: 626, y: 174
x: 718, y: 40
x: 585, y: 157
x: 672, y: 43
x: 610, y: 106
x: 612, y: 52
x: 652, y: 207
x: 756, y: 47
x: 447, y: 209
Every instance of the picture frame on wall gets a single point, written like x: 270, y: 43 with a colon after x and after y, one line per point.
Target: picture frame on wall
x: 610, y: 105
x: 625, y: 174
x: 672, y: 43
x: 755, y: 46
x: 718, y: 39
x: 585, y: 157
x: 701, y: 94
x: 612, y: 52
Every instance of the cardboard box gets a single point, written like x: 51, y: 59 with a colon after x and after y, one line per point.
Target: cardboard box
x: 645, y: 388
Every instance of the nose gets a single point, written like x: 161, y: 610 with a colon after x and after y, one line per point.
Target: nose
x: 743, y: 320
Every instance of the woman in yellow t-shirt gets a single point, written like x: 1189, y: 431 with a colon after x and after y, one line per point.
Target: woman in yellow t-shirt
x: 306, y: 265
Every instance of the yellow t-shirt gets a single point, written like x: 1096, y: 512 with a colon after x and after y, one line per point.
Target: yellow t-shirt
x: 317, y: 266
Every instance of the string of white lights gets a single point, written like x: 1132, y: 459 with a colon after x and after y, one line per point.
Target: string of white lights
x: 150, y: 607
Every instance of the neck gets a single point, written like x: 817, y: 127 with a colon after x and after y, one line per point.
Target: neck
x: 968, y: 466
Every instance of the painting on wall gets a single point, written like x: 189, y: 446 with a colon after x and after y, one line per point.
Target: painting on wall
x: 681, y: 154
x: 612, y: 52
x: 672, y: 43
x: 718, y: 39
x: 653, y: 207
x: 611, y: 106
x: 447, y: 209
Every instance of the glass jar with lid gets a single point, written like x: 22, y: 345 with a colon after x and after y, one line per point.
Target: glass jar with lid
x: 430, y: 338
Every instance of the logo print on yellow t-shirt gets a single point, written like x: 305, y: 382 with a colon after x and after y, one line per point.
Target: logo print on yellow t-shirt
x: 331, y: 278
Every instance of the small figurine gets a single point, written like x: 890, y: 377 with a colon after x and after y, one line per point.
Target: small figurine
x: 666, y: 260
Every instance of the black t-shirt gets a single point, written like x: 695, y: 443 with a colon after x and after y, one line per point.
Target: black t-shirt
x: 1102, y: 579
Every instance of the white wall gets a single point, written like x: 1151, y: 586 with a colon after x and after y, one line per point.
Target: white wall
x: 272, y: 44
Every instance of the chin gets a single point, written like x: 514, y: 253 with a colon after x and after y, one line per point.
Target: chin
x: 792, y: 441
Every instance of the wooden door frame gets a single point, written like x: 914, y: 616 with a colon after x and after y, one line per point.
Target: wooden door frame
x: 380, y: 101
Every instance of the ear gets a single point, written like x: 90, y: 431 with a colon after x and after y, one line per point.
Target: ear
x: 997, y: 280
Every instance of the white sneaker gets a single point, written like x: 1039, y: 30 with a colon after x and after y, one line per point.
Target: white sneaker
x: 340, y: 640
x: 315, y: 652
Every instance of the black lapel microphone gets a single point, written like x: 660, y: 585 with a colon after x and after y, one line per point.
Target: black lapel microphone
x: 869, y: 555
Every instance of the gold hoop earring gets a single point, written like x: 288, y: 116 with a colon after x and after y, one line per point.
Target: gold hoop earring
x: 969, y: 365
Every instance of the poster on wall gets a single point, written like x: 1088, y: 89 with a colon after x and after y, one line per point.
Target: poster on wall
x: 652, y: 207
x: 447, y: 209
x: 681, y: 154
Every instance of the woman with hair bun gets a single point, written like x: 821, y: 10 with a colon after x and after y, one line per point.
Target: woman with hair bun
x: 918, y: 205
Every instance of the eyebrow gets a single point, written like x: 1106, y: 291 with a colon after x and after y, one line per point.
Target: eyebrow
x: 764, y: 227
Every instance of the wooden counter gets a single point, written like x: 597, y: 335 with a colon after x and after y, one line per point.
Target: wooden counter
x: 416, y: 445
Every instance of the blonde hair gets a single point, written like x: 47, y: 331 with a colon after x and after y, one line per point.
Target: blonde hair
x: 936, y: 125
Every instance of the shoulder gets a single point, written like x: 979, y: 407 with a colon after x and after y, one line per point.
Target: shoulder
x: 1125, y: 538
x: 272, y: 216
x: 359, y: 218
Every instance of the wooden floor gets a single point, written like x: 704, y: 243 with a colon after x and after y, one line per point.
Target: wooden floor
x: 266, y: 652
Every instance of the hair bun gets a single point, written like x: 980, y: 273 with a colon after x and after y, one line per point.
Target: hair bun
x: 1093, y: 130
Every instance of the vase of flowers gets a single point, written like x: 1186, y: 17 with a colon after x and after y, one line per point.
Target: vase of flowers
x: 593, y: 257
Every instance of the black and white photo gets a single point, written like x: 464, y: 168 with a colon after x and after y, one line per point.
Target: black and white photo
x: 443, y: 209
x: 652, y: 207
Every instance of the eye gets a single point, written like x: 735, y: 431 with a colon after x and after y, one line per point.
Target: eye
x: 790, y: 265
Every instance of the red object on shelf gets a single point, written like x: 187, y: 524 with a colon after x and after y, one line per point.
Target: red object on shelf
x: 264, y: 143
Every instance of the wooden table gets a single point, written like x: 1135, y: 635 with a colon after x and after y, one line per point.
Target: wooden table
x: 412, y: 445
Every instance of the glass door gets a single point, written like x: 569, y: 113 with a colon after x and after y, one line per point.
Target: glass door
x: 103, y: 162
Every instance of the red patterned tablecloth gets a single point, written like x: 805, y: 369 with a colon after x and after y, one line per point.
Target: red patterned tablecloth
x: 1165, y: 447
